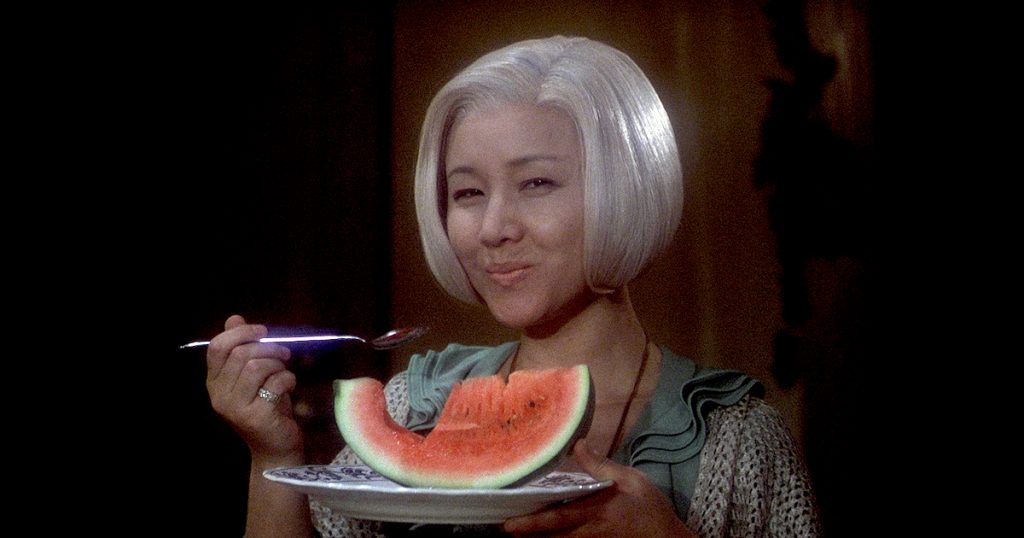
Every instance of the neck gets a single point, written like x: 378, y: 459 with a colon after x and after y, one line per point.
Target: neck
x: 605, y: 334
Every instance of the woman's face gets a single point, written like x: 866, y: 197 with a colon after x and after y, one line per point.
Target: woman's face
x: 515, y: 211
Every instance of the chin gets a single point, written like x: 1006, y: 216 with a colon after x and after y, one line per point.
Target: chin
x: 532, y: 320
x: 521, y: 311
x: 515, y: 320
x: 516, y: 316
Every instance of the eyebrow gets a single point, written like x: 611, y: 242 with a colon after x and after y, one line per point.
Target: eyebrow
x: 518, y: 162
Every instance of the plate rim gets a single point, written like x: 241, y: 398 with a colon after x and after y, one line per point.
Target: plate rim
x: 395, y: 488
x: 366, y: 499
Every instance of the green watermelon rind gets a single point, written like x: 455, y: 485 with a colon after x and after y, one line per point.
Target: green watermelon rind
x: 539, y: 465
x: 581, y: 426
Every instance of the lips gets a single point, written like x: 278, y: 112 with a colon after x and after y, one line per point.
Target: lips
x: 507, y: 274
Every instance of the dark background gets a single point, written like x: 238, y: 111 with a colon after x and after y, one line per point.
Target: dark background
x: 249, y: 157
x: 265, y: 135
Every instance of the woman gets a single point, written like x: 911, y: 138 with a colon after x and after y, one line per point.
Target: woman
x: 548, y: 178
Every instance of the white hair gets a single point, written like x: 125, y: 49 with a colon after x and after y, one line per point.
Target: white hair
x: 632, y: 177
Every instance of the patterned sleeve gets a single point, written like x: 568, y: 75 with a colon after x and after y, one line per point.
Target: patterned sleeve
x: 752, y: 480
x: 331, y: 525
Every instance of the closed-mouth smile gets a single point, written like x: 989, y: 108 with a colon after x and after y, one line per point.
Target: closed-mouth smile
x: 507, y: 274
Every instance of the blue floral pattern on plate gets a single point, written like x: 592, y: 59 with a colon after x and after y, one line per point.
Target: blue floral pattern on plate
x: 359, y: 492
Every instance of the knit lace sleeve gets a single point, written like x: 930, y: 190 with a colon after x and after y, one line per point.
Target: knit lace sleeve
x: 329, y: 524
x: 752, y: 480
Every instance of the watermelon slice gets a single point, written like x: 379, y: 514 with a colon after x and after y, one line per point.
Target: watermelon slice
x: 490, y: 434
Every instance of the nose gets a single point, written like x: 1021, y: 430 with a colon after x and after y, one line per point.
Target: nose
x: 501, y: 222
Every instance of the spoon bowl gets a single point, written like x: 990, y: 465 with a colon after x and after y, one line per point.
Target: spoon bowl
x: 397, y: 337
x: 389, y: 340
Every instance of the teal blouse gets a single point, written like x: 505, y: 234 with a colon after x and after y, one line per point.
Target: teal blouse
x: 666, y: 441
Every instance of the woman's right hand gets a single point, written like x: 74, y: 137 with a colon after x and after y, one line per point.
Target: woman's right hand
x: 238, y: 365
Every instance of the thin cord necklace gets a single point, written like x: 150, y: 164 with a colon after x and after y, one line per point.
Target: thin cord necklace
x: 629, y: 403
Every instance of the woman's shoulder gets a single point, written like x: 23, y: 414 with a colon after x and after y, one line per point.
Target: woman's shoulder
x: 757, y: 429
x: 673, y: 429
x: 750, y: 453
x: 751, y: 413
x: 685, y: 382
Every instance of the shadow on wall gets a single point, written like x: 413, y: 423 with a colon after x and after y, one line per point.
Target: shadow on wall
x: 819, y: 190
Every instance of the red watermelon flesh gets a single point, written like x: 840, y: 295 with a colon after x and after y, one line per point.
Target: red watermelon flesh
x: 490, y: 434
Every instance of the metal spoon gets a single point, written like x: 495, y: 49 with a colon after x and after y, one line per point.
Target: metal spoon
x: 388, y: 340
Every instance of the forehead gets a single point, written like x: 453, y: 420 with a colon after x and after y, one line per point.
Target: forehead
x: 512, y: 131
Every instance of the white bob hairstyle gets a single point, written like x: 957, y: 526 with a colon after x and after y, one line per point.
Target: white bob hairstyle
x: 632, y: 177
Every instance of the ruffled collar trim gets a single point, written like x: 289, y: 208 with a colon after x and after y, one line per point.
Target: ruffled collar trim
x: 672, y: 428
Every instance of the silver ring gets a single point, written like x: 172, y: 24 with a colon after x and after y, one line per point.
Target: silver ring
x: 268, y: 395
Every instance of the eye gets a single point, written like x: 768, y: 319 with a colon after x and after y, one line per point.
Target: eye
x: 537, y: 183
x: 464, y: 194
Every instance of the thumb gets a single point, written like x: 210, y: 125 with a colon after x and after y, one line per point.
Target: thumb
x: 234, y: 321
x: 595, y: 464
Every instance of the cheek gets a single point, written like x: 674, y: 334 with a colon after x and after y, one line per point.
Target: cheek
x: 563, y: 235
x: 459, y: 234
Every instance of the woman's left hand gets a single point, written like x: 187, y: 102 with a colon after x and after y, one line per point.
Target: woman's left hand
x: 633, y: 506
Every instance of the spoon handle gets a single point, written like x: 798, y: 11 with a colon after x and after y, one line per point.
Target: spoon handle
x: 307, y: 338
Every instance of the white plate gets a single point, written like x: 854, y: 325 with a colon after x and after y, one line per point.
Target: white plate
x: 358, y: 492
